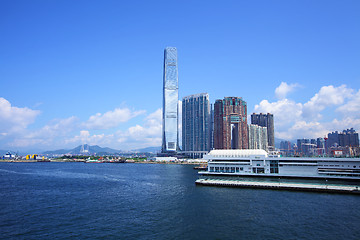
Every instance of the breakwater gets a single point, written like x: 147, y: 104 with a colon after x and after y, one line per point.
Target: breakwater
x: 312, y: 187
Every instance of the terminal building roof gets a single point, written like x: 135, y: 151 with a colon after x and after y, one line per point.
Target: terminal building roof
x: 238, y: 153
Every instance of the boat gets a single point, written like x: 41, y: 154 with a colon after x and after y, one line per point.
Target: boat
x: 118, y: 161
x: 93, y: 161
x: 201, y: 167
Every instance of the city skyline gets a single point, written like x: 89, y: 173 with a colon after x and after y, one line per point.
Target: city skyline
x: 98, y: 80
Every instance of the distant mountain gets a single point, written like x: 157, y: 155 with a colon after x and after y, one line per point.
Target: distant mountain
x: 85, y: 150
x: 148, y: 149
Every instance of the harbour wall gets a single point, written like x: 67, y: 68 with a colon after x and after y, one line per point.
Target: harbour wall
x: 349, y: 189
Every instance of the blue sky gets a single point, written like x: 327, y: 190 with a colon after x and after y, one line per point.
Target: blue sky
x: 74, y: 72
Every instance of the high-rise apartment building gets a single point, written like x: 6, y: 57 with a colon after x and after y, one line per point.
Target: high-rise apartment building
x: 320, y: 146
x: 196, y: 123
x: 230, y: 124
x: 257, y: 137
x: 170, y: 142
x: 265, y: 120
x: 306, y: 147
x: 211, y: 126
x: 346, y: 138
x: 286, y: 148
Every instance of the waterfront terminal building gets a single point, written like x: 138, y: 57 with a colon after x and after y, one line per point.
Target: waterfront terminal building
x: 258, y: 163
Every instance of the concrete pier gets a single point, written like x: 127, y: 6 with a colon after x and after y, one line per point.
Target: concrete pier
x: 331, y: 188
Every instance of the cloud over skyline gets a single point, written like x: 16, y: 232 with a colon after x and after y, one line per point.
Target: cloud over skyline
x: 80, y: 78
x: 307, y: 120
x: 293, y: 120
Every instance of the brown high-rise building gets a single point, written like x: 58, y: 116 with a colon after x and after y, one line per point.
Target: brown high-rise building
x: 230, y: 124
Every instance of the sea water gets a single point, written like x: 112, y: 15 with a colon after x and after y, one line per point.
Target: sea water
x: 159, y: 201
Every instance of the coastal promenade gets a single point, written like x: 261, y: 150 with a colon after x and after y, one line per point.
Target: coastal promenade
x: 312, y: 187
x: 17, y: 161
x: 82, y: 161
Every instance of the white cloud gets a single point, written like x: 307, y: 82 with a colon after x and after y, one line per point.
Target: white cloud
x: 285, y: 110
x: 292, y: 120
x: 85, y: 137
x: 327, y: 96
x: 352, y: 107
x: 284, y: 89
x: 110, y: 119
x: 344, y: 123
x: 15, y: 119
x: 303, y: 129
x: 69, y: 132
x: 148, y: 135
x: 297, y: 120
x: 138, y: 136
x: 50, y: 135
x: 154, y: 118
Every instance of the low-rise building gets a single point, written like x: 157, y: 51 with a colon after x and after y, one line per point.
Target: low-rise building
x: 258, y: 162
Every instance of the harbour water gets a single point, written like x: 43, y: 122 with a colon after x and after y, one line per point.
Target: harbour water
x: 159, y: 201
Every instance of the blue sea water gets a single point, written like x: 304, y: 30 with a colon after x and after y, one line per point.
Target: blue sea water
x: 156, y: 201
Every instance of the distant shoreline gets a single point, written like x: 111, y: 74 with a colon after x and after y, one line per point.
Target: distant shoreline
x: 82, y: 161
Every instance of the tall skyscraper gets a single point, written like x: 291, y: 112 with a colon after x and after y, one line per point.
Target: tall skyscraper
x: 170, y: 142
x: 265, y: 120
x: 211, y: 126
x: 230, y: 124
x: 196, y: 123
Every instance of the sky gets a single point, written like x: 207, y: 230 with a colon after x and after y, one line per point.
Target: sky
x: 75, y: 72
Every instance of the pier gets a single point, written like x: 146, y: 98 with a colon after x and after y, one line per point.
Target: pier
x: 312, y: 187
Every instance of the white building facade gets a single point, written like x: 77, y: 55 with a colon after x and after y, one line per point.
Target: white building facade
x: 258, y: 138
x: 258, y: 162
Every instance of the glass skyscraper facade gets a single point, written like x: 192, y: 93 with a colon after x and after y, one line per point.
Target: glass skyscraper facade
x: 170, y: 135
x: 196, y: 123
